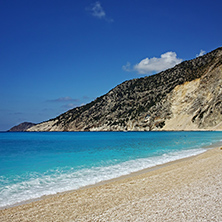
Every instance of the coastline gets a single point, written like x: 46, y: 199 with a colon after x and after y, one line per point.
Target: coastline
x: 124, y: 176
x: 104, y: 182
x: 95, y: 202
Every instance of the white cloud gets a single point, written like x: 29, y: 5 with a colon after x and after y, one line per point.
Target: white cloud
x: 151, y: 65
x: 64, y: 99
x: 69, y: 106
x: 127, y: 67
x: 97, y: 11
x: 202, y: 52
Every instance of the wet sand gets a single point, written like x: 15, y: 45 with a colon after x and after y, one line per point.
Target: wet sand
x: 184, y: 190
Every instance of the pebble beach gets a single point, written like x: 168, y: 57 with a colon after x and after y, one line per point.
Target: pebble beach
x: 183, y: 190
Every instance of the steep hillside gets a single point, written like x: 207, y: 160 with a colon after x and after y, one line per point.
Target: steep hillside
x: 186, y: 97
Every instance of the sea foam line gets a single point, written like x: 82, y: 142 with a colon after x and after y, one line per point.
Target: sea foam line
x: 58, y: 181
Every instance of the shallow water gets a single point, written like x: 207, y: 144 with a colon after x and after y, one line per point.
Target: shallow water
x: 37, y: 164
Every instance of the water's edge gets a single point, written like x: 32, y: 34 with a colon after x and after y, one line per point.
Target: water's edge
x: 129, y: 175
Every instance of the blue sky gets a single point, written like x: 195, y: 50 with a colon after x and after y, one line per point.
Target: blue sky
x: 56, y: 55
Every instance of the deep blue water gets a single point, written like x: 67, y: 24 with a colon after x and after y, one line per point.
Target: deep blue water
x: 37, y: 164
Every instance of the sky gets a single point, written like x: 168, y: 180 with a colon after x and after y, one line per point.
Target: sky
x: 59, y: 54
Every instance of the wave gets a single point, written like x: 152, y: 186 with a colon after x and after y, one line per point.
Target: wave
x: 37, y: 185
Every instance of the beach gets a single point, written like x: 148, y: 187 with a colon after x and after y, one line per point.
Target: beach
x: 183, y: 190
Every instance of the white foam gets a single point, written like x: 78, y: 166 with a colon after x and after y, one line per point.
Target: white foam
x: 64, y: 180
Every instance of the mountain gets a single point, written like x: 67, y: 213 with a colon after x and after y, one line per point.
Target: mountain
x: 185, y: 97
x: 22, y: 127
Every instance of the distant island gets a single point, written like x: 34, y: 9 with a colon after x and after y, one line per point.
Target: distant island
x: 22, y: 127
x: 185, y: 97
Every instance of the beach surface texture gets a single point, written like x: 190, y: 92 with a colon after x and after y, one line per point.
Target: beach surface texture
x: 185, y: 190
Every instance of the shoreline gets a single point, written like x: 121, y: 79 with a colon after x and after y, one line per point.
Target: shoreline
x: 104, y: 182
x: 119, y: 178
x: 101, y: 197
x: 126, y: 131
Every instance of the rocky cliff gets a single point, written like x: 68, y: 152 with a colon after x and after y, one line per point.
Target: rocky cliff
x: 186, y: 97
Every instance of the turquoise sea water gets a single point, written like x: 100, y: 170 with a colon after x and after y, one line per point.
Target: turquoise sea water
x: 37, y: 164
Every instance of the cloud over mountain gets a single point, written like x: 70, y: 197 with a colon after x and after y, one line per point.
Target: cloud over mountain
x: 150, y: 65
x: 64, y: 99
x: 202, y: 52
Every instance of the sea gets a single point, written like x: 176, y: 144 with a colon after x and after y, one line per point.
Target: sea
x: 34, y: 164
